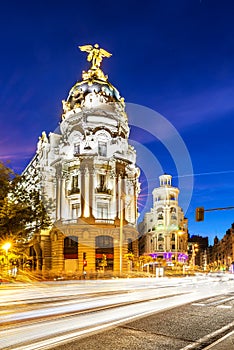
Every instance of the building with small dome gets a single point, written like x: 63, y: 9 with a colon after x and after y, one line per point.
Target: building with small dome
x: 163, y: 231
x: 88, y: 171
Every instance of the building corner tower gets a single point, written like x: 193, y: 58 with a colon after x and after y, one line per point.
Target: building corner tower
x: 164, y: 230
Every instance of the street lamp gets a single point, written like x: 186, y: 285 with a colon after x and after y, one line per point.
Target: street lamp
x: 6, y: 246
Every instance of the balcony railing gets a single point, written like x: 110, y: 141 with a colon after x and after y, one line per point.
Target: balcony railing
x: 74, y: 190
x: 69, y: 221
x: 104, y: 221
x: 103, y: 190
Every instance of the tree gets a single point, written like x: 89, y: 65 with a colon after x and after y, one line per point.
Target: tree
x: 22, y: 211
x: 5, y: 177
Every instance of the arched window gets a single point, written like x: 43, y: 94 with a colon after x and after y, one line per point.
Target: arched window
x: 130, y: 250
x: 70, y: 249
x: 160, y: 237
x: 104, y: 249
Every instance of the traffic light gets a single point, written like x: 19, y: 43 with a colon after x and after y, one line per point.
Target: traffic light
x: 200, y: 214
x: 84, y: 260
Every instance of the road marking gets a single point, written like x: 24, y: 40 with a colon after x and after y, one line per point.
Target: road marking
x: 224, y: 300
x: 208, y: 337
x: 224, y: 307
x: 216, y: 303
x: 219, y: 341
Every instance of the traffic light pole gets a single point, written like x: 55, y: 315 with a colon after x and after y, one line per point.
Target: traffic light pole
x: 200, y: 212
x: 225, y: 208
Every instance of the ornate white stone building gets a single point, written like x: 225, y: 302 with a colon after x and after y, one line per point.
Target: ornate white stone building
x: 163, y: 231
x: 88, y: 170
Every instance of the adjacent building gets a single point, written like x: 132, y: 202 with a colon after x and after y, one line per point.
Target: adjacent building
x: 222, y: 252
x: 88, y: 171
x: 164, y: 230
x: 198, y: 251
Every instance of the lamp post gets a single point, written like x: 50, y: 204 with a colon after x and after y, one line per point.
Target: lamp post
x: 121, y: 237
x: 194, y: 251
x: 179, y: 233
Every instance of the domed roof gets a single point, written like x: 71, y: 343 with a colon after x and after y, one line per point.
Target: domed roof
x: 94, y: 82
x: 95, y: 85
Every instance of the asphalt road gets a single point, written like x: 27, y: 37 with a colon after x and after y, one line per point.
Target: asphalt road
x: 192, y: 326
x: 188, y: 313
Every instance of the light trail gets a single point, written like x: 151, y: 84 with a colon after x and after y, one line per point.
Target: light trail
x: 230, y: 334
x: 195, y: 345
x: 151, y: 295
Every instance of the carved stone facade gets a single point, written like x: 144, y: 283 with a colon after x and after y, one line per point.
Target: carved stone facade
x: 88, y: 170
x: 221, y: 255
x: 163, y: 231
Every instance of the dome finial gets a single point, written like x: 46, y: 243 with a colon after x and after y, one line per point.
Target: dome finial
x: 95, y: 54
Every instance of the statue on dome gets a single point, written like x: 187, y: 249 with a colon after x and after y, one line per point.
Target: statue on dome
x: 95, y: 54
x: 42, y: 140
x: 43, y: 137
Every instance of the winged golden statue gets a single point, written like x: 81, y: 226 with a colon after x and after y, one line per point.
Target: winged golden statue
x: 95, y: 54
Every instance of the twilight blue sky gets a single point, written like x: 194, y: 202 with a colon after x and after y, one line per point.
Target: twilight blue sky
x: 175, y: 57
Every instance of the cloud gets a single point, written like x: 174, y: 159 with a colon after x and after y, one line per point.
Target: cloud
x: 201, y: 108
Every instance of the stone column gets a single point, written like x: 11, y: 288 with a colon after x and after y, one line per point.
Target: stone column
x: 94, y: 189
x: 58, y: 194
x: 63, y: 198
x: 91, y: 191
x: 118, y: 198
x: 124, y: 192
x: 114, y: 199
x: 82, y: 191
x: 86, y: 194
